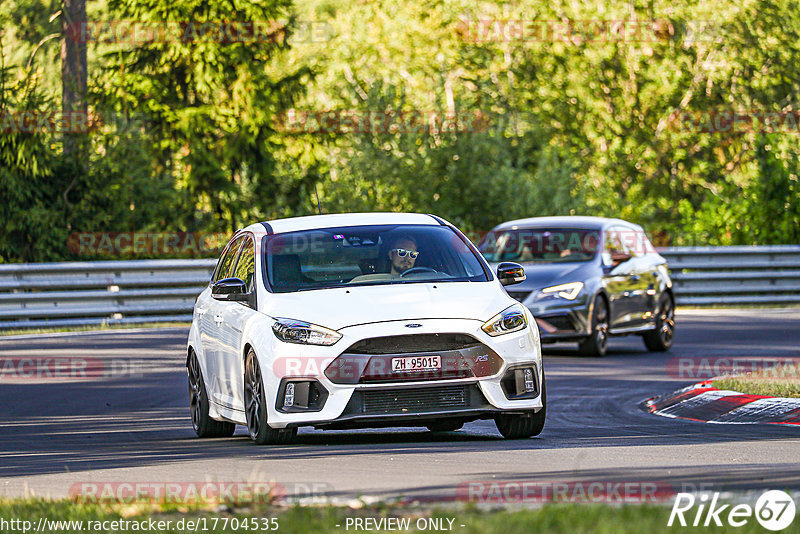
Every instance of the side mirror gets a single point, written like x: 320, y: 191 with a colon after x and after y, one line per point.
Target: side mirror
x: 510, y: 273
x: 230, y: 289
x: 620, y: 257
x: 612, y: 260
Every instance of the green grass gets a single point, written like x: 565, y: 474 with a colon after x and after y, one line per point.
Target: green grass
x: 550, y: 518
x: 752, y: 386
x: 780, y: 381
x: 87, y: 328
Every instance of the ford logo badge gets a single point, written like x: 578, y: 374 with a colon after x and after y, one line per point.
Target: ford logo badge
x: 413, y: 325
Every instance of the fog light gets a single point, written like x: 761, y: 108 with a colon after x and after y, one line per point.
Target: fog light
x: 529, y: 385
x: 520, y: 383
x: 288, y: 397
x: 297, y: 395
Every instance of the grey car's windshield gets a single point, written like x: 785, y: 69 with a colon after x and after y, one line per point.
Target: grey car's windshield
x: 368, y: 255
x: 541, y: 245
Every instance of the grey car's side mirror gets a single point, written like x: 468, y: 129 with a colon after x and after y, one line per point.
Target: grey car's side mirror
x: 620, y: 257
x: 230, y: 289
x: 510, y: 273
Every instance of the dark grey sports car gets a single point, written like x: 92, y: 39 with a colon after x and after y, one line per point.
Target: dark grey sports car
x: 588, y: 278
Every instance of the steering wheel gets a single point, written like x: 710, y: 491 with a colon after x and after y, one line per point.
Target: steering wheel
x: 419, y: 270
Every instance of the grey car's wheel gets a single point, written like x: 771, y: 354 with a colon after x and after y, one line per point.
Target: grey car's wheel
x: 660, y: 339
x: 596, y: 344
x: 445, y: 425
x: 204, y: 426
x: 520, y: 426
x: 255, y: 404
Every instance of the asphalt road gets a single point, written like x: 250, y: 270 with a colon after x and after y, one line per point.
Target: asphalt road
x: 56, y: 432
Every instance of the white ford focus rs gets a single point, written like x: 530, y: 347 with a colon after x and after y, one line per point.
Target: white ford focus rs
x: 361, y: 320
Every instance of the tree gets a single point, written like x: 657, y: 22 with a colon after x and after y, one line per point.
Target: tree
x: 74, y: 70
x: 211, y: 100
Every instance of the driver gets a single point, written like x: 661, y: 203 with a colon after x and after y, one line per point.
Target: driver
x: 403, y: 254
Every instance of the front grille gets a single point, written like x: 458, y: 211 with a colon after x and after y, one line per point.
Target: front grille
x: 560, y: 322
x: 476, y: 360
x: 416, y: 400
x: 412, y: 343
x: 518, y: 295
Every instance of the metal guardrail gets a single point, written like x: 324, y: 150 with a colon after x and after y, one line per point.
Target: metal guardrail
x: 725, y: 276
x: 35, y: 295
x: 38, y: 295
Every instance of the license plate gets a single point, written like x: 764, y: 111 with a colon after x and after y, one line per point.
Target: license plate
x: 417, y: 363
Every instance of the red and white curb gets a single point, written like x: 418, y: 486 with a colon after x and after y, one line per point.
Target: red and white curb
x: 703, y: 402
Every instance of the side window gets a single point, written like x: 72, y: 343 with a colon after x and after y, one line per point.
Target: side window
x: 631, y: 241
x: 647, y: 246
x: 613, y: 246
x: 246, y: 266
x: 622, y: 243
x: 226, y: 261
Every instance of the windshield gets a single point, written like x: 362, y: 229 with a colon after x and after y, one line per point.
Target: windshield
x: 368, y: 255
x: 541, y: 245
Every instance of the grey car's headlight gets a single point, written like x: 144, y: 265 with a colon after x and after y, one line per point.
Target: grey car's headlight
x: 565, y: 291
x: 512, y: 319
x: 294, y: 331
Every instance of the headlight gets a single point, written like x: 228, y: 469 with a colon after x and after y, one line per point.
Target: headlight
x: 565, y: 291
x: 512, y: 319
x: 293, y: 331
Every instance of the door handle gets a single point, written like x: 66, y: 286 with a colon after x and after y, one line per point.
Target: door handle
x: 218, y: 319
x: 200, y: 311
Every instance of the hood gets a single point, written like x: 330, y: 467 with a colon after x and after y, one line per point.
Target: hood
x: 338, y: 308
x: 539, y: 275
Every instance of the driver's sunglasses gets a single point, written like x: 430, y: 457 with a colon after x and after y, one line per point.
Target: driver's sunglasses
x: 401, y: 253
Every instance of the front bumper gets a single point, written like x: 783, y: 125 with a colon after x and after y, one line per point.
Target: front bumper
x: 409, y: 401
x: 558, y: 319
x: 412, y: 406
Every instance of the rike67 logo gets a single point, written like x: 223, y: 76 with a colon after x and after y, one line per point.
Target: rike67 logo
x: 774, y: 510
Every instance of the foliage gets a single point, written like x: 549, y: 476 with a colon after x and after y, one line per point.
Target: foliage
x: 574, y: 119
x: 211, y: 105
x: 29, y: 184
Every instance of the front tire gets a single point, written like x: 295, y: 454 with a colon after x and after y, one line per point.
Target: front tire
x: 256, y: 408
x: 204, y: 426
x: 515, y: 426
x: 597, y: 342
x: 660, y: 339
